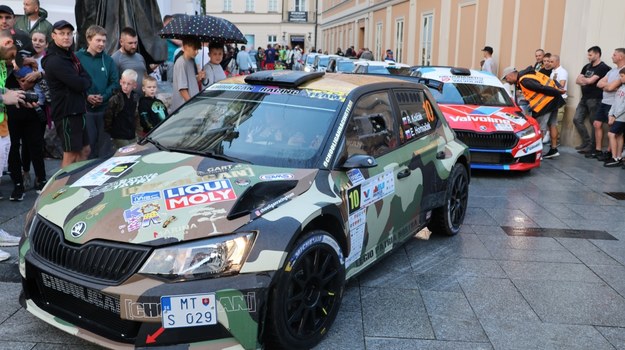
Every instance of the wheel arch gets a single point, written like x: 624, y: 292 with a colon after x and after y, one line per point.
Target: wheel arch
x: 331, y: 222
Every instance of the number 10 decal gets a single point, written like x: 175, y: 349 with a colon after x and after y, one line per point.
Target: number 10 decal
x: 353, y: 199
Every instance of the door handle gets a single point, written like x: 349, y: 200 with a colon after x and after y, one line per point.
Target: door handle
x: 404, y: 173
x: 440, y: 155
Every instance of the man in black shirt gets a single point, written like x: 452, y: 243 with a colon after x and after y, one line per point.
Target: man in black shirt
x: 591, y: 97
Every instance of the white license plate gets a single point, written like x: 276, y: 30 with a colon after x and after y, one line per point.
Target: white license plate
x: 192, y: 310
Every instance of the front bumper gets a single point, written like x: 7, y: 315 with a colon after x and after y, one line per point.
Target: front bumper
x: 129, y: 315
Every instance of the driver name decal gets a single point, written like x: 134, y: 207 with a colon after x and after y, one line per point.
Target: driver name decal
x: 200, y: 193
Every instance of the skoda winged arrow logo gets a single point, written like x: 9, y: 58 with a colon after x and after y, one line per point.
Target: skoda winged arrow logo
x: 78, y: 229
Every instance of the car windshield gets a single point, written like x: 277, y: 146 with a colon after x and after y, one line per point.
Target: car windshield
x: 323, y: 61
x: 253, y: 124
x: 472, y: 94
x: 344, y: 66
x: 393, y: 70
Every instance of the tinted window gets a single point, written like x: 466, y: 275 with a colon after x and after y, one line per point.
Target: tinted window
x: 417, y: 117
x: 472, y: 94
x: 344, y: 66
x: 267, y: 126
x: 371, y: 128
x: 392, y: 70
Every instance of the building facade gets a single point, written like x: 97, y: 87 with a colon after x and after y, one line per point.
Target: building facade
x: 263, y: 22
x: 453, y: 32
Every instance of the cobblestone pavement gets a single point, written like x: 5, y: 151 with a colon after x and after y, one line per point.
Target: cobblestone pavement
x: 482, y: 289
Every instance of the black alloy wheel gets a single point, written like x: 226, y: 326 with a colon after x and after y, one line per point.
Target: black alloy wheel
x: 448, y: 219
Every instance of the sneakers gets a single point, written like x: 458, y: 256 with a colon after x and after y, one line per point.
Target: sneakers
x: 553, y: 152
x: 7, y: 239
x: 604, y: 156
x: 18, y: 193
x: 613, y: 163
x: 28, y: 182
x: 4, y: 255
x: 593, y: 154
x: 40, y: 185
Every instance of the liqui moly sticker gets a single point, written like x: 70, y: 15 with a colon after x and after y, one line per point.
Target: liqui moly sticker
x: 200, y: 193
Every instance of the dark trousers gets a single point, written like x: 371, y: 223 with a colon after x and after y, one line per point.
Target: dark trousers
x: 99, y: 140
x: 26, y: 129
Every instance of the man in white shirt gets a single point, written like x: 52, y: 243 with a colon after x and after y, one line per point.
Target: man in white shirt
x: 559, y: 74
x: 489, y: 62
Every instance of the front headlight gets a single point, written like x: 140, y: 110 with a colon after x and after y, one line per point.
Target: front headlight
x: 526, y: 133
x: 200, y: 259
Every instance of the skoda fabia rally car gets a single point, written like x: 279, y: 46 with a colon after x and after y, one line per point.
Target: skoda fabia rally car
x: 236, y: 222
x: 486, y: 119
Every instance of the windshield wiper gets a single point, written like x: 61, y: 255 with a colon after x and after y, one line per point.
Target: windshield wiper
x: 155, y: 143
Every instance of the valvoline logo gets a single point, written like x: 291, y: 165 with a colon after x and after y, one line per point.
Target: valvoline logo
x: 200, y: 193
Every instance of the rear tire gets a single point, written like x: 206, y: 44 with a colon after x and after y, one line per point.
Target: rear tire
x: 307, y: 296
x: 448, y: 219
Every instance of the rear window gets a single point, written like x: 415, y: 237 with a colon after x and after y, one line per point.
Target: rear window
x: 392, y: 70
x: 472, y: 94
x: 255, y: 124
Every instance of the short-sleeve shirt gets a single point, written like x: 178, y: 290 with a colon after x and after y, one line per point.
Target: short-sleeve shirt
x: 184, y: 78
x: 591, y: 90
x: 608, y: 96
x: 134, y: 62
x: 561, y: 74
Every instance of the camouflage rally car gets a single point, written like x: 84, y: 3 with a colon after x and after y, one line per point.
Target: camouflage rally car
x: 236, y: 222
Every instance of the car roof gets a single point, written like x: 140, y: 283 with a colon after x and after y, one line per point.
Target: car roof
x: 343, y: 83
x: 449, y: 75
x: 381, y: 63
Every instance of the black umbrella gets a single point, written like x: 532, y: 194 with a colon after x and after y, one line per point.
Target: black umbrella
x: 204, y: 27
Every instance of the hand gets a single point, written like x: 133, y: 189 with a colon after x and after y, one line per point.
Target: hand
x: 30, y: 104
x: 33, y: 76
x: 13, y: 98
x: 611, y: 120
x: 31, y: 62
x: 94, y: 100
x: 201, y: 75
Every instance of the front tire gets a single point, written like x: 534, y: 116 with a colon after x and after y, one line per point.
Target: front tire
x: 307, y: 296
x: 448, y: 219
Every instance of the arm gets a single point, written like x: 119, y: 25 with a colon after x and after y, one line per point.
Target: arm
x: 611, y: 86
x: 534, y: 85
x: 67, y: 75
x: 113, y: 80
x: 185, y: 94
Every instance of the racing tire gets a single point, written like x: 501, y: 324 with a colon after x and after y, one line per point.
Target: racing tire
x: 306, y: 298
x: 448, y: 219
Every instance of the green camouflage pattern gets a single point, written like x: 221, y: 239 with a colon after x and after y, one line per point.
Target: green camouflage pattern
x: 136, y: 199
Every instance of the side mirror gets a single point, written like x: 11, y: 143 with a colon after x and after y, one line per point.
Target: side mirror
x: 359, y: 161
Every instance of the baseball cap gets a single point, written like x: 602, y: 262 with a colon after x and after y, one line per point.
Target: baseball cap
x: 488, y: 49
x: 6, y: 9
x: 507, y: 71
x: 62, y: 24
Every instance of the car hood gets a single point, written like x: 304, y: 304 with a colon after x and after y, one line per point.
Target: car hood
x: 145, y: 196
x: 483, y: 118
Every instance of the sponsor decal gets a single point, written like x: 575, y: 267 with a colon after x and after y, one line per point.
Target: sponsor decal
x: 105, y: 171
x: 216, y: 170
x: 355, y: 176
x: 503, y: 127
x: 78, y: 229
x: 357, y: 223
x: 119, y: 169
x: 200, y: 193
x: 127, y: 149
x: 90, y: 296
x: 337, y: 136
x: 122, y: 183
x: 271, y: 206
x: 242, y: 182
x: 136, y: 310
x: 465, y: 79
x: 326, y: 95
x: 169, y: 221
x: 537, y: 146
x: 225, y: 174
x: 412, y: 119
x: 481, y: 119
x: 144, y: 197
x: 143, y: 216
x: 95, y: 211
x: 58, y: 193
x: 274, y: 177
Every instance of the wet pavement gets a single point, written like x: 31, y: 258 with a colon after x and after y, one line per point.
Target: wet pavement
x: 539, y: 264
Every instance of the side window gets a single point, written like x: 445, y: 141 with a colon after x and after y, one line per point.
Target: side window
x: 371, y: 128
x: 417, y: 116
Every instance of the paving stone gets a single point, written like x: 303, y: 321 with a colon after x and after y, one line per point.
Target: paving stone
x: 523, y: 335
x: 351, y: 297
x: 462, y: 267
x: 548, y: 271
x: 411, y: 344
x: 452, y: 317
x: 574, y: 302
x: 615, y: 335
x: 392, y: 312
x: 488, y: 230
x: 439, y: 283
x: 587, y: 252
x: 461, y: 245
x: 24, y: 327
x: 393, y: 271
x: 614, y: 275
x: 346, y: 333
x: 10, y: 305
x: 11, y: 345
x: 478, y: 216
x: 493, y: 298
x: 511, y: 217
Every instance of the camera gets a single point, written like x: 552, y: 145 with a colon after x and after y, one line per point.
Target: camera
x: 30, y: 97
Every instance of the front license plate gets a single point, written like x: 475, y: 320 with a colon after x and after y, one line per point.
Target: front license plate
x: 189, y: 310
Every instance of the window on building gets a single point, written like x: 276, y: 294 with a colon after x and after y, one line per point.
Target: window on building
x: 378, y: 41
x: 227, y: 5
x: 300, y: 5
x: 427, y: 30
x: 249, y: 5
x: 272, y: 39
x: 399, y: 40
x: 273, y: 6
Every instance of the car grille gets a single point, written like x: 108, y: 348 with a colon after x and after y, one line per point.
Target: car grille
x: 104, y: 262
x: 488, y: 141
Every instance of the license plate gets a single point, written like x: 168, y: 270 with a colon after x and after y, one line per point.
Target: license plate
x: 189, y: 310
